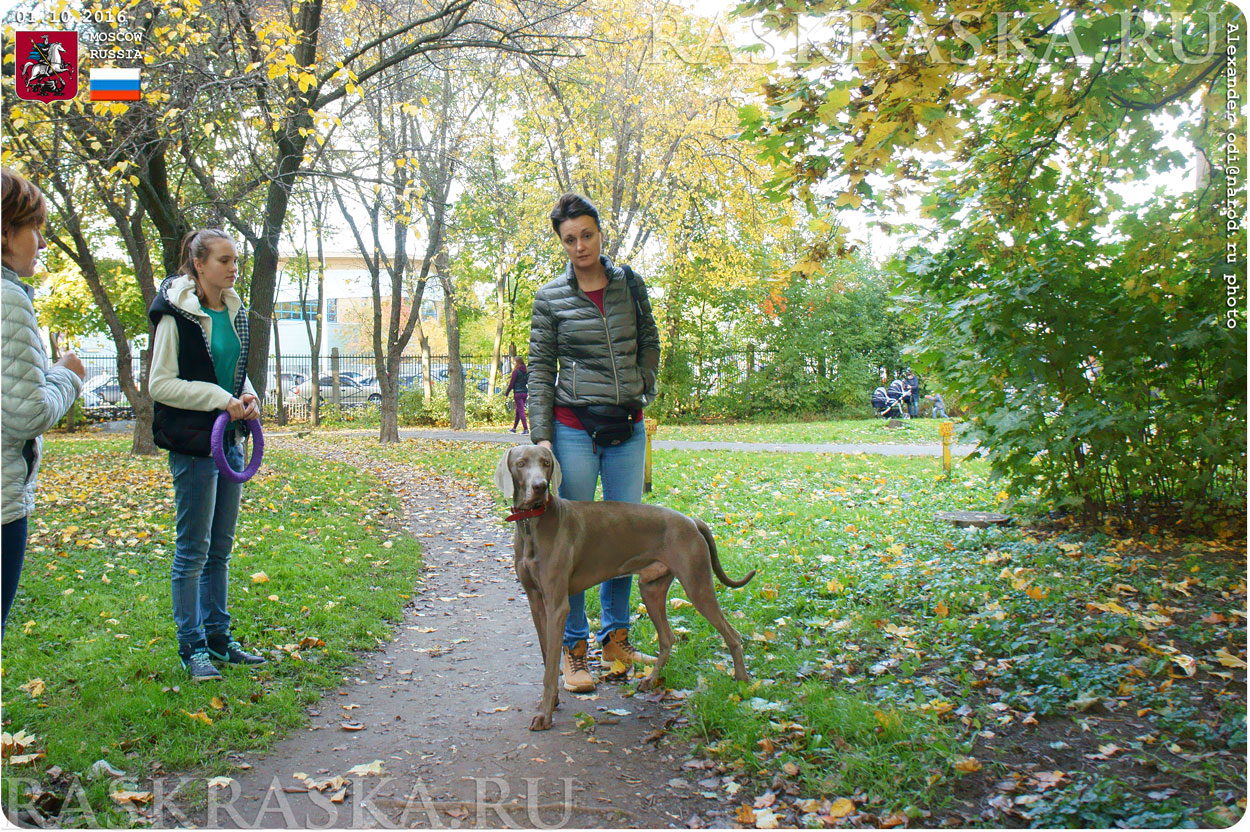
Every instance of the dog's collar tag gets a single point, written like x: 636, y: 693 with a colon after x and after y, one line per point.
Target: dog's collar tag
x: 529, y: 512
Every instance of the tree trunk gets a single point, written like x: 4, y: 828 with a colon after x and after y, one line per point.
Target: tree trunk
x: 427, y: 364
x: 501, y: 295
x: 389, y: 385
x: 455, y: 377
x: 142, y: 443
x: 277, y: 374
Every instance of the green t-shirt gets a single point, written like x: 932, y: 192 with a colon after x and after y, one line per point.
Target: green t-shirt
x: 224, y: 349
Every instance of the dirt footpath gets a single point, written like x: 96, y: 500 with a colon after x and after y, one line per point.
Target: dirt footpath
x: 438, y: 721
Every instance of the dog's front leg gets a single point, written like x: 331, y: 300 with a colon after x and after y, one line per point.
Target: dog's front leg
x: 539, y: 613
x: 557, y: 613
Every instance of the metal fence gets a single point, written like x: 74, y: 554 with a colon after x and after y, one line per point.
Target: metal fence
x: 357, y: 387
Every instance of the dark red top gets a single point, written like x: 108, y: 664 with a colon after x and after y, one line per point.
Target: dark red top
x: 565, y: 415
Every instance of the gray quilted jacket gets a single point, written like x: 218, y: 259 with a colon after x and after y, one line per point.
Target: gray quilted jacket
x: 35, y: 397
x: 579, y: 356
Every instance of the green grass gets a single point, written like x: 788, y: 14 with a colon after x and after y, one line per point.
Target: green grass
x: 858, y: 431
x: 902, y: 662
x: 865, y: 431
x: 93, y: 619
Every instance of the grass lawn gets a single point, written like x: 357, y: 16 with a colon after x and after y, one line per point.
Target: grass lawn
x: 860, y: 431
x: 905, y: 669
x: 866, y: 431
x: 90, y: 667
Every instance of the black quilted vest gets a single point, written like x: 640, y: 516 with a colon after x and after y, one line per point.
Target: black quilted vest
x: 190, y: 431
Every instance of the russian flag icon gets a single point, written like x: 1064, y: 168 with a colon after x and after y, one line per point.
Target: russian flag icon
x: 110, y: 84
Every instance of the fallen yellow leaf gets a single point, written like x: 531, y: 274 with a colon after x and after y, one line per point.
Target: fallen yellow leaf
x: 200, y: 716
x: 1228, y: 659
x: 941, y: 610
x: 121, y: 798
x: 841, y: 807
x: 259, y: 578
x: 967, y: 765
x: 364, y: 770
x: 34, y: 687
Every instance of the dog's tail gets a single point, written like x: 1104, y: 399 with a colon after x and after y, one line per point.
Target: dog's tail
x: 716, y: 567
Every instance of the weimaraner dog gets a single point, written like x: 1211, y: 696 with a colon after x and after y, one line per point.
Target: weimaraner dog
x: 567, y: 546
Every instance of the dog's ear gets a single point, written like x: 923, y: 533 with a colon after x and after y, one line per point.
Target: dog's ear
x: 503, y: 475
x: 555, y: 475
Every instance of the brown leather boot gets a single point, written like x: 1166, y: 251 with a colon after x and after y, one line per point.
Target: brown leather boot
x: 618, y: 649
x: 576, y: 672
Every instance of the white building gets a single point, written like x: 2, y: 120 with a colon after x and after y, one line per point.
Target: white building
x: 348, y: 305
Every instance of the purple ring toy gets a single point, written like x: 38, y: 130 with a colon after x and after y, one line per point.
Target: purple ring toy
x: 219, y: 452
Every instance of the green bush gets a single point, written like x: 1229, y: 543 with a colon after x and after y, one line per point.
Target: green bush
x: 479, y: 408
x: 1106, y: 394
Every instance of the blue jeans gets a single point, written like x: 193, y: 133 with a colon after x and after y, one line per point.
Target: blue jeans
x: 13, y: 548
x: 621, y: 470
x: 207, y: 509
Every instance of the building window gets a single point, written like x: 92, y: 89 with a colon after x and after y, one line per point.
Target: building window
x: 332, y: 310
x: 295, y: 311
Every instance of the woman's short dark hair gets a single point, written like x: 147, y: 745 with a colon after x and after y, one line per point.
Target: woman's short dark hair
x: 571, y: 206
x: 22, y: 203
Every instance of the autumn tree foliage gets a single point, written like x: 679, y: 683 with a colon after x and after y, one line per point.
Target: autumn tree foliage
x: 1071, y: 162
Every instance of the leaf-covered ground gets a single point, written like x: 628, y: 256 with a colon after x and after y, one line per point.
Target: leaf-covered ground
x: 910, y: 672
x: 90, y: 665
x: 905, y: 672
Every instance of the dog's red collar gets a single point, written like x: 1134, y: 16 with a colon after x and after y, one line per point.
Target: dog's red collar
x: 529, y: 512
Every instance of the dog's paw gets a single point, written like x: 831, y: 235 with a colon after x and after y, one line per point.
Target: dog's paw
x: 541, y: 722
x: 650, y: 682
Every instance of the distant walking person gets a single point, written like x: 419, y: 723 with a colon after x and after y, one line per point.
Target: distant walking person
x: 199, y: 363
x: 913, y: 393
x: 519, y: 385
x: 37, y: 395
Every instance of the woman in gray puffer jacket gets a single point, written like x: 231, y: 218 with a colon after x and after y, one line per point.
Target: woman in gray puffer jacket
x: 36, y: 396
x: 593, y: 342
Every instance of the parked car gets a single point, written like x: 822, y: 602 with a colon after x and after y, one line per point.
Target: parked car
x: 350, y: 391
x: 289, y: 381
x: 106, y: 387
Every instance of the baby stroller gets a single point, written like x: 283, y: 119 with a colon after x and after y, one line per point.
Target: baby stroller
x: 891, y: 403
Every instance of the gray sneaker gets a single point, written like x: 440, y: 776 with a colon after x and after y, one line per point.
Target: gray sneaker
x: 222, y: 648
x: 198, y: 663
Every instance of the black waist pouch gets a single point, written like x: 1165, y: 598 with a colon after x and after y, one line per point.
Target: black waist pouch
x: 606, y: 424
